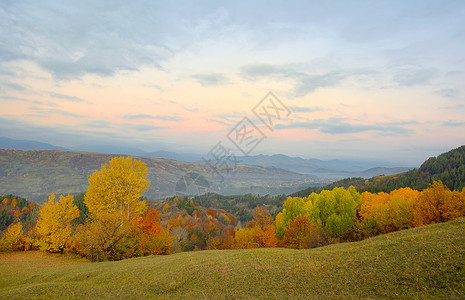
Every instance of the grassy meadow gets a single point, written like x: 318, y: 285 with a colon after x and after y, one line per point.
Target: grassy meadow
x: 425, y: 262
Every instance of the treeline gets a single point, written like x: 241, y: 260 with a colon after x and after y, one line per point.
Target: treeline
x: 111, y: 221
x: 346, y: 215
x: 241, y: 206
x: 16, y: 209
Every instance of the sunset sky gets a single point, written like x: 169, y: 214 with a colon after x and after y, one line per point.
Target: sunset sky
x: 377, y: 80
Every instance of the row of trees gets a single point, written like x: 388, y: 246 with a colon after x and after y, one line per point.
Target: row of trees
x: 113, y: 222
x: 345, y: 214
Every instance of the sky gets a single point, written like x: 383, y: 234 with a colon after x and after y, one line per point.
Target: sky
x: 378, y: 80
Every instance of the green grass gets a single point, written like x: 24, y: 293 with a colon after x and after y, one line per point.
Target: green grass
x: 426, y: 262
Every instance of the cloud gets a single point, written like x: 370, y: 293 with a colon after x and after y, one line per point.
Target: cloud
x: 448, y: 93
x: 67, y: 97
x: 98, y: 124
x: 46, y: 112
x: 143, y: 127
x: 146, y: 116
x: 74, y: 39
x: 227, y: 119
x: 64, y: 134
x: 414, y: 75
x: 65, y: 113
x: 452, y: 123
x: 14, y: 98
x: 340, y: 126
x: 304, y: 109
x: 193, y: 109
x: 304, y: 83
x: 212, y: 79
x: 14, y: 86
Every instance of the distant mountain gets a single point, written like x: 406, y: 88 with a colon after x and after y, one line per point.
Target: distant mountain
x: 336, y: 167
x: 111, y: 149
x: 383, y: 171
x: 26, y: 145
x: 36, y: 174
x: 189, y: 157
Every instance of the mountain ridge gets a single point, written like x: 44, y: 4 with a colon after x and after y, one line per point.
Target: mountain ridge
x: 36, y: 174
x: 334, y: 168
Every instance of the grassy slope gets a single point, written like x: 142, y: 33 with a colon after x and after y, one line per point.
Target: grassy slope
x: 421, y: 262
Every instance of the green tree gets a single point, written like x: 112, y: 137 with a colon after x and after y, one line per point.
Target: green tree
x: 336, y: 210
x: 5, y: 219
x: 292, y: 207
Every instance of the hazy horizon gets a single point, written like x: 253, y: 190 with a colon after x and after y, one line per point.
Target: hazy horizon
x: 363, y: 80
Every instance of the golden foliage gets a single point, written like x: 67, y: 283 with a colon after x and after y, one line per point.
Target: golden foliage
x: 428, y: 208
x: 118, y: 186
x: 54, y: 225
x: 13, y: 238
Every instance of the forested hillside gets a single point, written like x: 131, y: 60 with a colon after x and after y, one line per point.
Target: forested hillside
x: 36, y: 174
x: 448, y: 167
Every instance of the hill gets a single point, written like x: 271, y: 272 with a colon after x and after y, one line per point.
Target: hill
x: 25, y: 145
x: 36, y: 174
x: 335, y: 168
x: 425, y: 262
x: 448, y: 167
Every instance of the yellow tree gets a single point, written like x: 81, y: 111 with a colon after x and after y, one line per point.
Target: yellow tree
x: 375, y: 207
x: 118, y: 186
x: 113, y: 201
x: 401, y: 207
x: 292, y: 207
x: 13, y: 238
x: 54, y: 225
x: 244, y: 238
x: 428, y: 207
x: 454, y: 206
x: 100, y: 236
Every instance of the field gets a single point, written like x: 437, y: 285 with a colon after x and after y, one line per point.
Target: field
x: 426, y: 262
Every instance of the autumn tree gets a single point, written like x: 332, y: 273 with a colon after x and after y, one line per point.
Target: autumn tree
x: 155, y: 239
x: 115, y: 206
x: 244, y: 238
x: 375, y: 212
x: 428, y: 209
x: 454, y: 206
x: 292, y: 207
x: 297, y: 232
x: 99, y: 237
x: 401, y: 203
x: 54, y: 225
x: 118, y: 186
x: 13, y: 238
x: 259, y: 232
x: 383, y: 213
x: 261, y: 217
